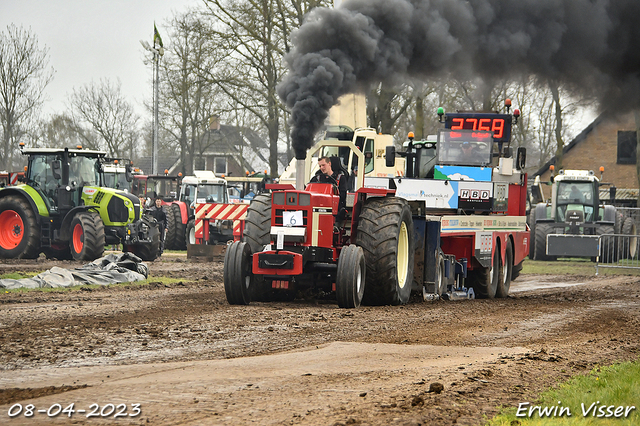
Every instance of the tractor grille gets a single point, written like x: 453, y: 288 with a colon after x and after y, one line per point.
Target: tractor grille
x: 117, y: 211
x: 279, y: 216
x: 98, y: 198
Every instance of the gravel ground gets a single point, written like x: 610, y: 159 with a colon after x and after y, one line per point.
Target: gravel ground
x: 188, y: 357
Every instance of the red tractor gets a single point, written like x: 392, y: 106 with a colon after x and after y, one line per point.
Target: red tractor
x: 147, y: 187
x: 294, y: 241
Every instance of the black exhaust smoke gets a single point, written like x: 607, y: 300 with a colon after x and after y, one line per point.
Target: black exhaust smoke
x: 592, y: 45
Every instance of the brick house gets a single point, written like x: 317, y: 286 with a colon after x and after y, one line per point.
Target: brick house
x: 609, y: 141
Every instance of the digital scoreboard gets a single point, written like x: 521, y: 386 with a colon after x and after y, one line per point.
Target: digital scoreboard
x: 499, y: 124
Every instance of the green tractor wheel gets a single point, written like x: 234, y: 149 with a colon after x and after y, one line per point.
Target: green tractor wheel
x: 87, y: 236
x: 19, y: 231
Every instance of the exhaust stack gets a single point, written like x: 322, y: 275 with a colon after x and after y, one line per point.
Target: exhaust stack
x: 300, y: 174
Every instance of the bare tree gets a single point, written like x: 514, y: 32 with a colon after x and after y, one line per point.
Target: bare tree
x: 255, y: 35
x: 188, y: 101
x: 24, y: 75
x: 61, y: 131
x: 103, y: 108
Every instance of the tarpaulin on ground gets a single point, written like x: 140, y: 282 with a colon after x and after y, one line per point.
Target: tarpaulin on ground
x: 110, y: 269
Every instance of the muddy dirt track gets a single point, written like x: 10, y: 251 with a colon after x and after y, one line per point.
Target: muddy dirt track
x: 187, y: 357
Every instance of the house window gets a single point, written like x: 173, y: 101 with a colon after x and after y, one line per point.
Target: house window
x: 199, y: 163
x: 220, y: 165
x: 627, y: 147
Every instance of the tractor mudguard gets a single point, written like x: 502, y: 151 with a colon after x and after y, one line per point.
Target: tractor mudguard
x: 65, y: 228
x: 32, y: 196
x: 609, y: 214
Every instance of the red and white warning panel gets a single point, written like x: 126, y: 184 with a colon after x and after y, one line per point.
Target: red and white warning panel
x: 211, y: 212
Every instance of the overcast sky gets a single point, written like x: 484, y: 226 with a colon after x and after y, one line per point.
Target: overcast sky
x: 93, y: 39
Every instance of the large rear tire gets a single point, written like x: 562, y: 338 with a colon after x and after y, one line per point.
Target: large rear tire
x: 506, y: 274
x: 237, y: 273
x: 629, y: 245
x: 350, y: 277
x: 257, y: 224
x: 180, y: 238
x: 609, y: 247
x: 384, y: 232
x: 87, y: 236
x: 485, y: 280
x: 170, y: 235
x: 257, y: 227
x: 19, y: 231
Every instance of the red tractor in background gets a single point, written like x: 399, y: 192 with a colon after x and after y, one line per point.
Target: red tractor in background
x: 148, y: 187
x: 11, y: 178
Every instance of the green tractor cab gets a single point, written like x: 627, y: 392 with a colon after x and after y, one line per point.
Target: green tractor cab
x: 64, y: 210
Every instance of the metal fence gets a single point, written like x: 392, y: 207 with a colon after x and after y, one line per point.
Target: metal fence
x: 618, y: 251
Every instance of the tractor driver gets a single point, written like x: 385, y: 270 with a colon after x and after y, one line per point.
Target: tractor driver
x: 468, y: 152
x: 576, y: 195
x: 327, y: 175
x: 160, y: 216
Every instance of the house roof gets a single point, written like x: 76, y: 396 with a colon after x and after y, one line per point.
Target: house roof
x: 581, y: 137
x: 229, y: 139
x: 164, y: 163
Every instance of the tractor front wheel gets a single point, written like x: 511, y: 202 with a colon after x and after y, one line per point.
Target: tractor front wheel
x: 540, y: 238
x: 384, y: 233
x: 87, y: 236
x: 19, y: 231
x: 350, y: 277
x: 191, y: 232
x: 237, y: 273
x: 148, y: 251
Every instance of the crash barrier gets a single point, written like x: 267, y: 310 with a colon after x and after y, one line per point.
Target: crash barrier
x: 208, y: 212
x: 618, y: 251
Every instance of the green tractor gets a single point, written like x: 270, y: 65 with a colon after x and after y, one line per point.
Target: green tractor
x: 64, y: 211
x: 573, y: 223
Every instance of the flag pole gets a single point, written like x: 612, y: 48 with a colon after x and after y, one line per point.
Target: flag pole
x: 157, y: 50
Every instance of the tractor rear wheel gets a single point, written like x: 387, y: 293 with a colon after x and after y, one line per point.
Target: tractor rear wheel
x: 384, y: 233
x: 542, y: 229
x: 237, y: 273
x: 180, y: 239
x: 170, y: 235
x: 350, y: 277
x: 257, y: 224
x: 257, y: 228
x: 609, y: 249
x: 147, y: 251
x: 19, y: 231
x: 485, y: 280
x: 87, y: 236
x: 629, y: 240
x: 506, y: 274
